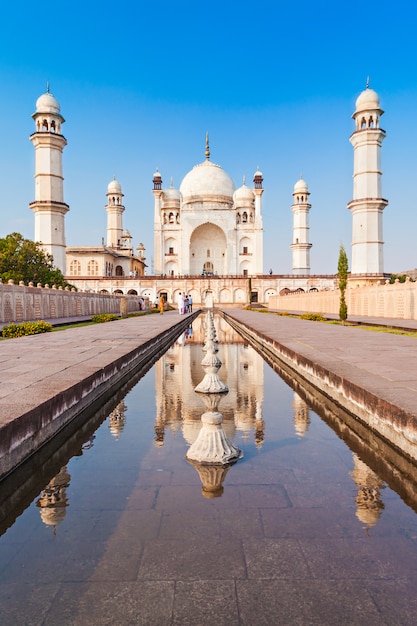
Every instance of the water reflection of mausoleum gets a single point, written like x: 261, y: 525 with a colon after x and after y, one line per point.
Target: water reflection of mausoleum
x: 179, y: 371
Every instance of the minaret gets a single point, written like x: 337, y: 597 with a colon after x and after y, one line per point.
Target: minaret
x: 157, y: 223
x: 367, y: 204
x: 114, y: 210
x: 49, y: 206
x: 258, y: 191
x: 301, y: 246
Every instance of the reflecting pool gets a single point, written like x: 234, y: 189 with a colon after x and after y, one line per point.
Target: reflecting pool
x: 315, y: 524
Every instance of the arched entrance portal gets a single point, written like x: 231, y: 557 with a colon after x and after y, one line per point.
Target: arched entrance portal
x: 208, y: 250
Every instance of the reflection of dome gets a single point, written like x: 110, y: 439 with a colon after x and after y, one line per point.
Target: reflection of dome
x: 47, y: 103
x: 114, y: 187
x: 190, y: 430
x: 207, y: 180
x: 53, y: 516
x: 368, y: 99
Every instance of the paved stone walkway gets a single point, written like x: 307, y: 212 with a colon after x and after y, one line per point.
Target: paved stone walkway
x: 47, y: 379
x: 384, y: 364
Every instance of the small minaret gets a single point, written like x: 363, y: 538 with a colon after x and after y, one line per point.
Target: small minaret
x: 301, y: 246
x: 367, y: 204
x: 49, y: 206
x: 157, y: 224
x: 114, y: 208
x: 258, y: 191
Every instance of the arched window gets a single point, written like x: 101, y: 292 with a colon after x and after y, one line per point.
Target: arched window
x: 171, y: 218
x: 363, y: 123
x: 92, y: 268
x: 119, y: 270
x: 45, y: 125
x: 53, y: 129
x: 371, y: 122
x: 244, y: 217
x: 75, y: 268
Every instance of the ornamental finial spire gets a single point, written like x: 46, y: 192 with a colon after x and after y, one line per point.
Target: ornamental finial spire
x: 367, y: 82
x: 48, y: 90
x: 207, y: 147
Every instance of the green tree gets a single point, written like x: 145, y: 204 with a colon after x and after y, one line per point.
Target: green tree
x: 23, y: 259
x: 342, y: 274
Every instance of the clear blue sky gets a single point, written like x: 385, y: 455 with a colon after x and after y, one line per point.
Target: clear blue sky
x: 274, y: 83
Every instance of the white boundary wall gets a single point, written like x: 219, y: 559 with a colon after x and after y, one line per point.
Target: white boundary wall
x: 398, y: 300
x: 19, y: 303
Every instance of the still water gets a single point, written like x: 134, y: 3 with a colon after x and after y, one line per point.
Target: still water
x: 314, y: 525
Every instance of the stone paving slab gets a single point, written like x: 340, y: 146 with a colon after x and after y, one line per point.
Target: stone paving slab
x: 382, y: 362
x: 46, y: 379
x: 371, y: 374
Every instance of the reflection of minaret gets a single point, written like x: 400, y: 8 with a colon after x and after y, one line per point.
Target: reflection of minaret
x: 369, y: 504
x: 259, y: 425
x: 301, y: 415
x: 53, y: 500
x: 117, y: 420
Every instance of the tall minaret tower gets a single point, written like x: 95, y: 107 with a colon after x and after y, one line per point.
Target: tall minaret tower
x: 367, y: 204
x: 114, y: 208
x: 49, y: 206
x: 158, y: 226
x: 301, y: 246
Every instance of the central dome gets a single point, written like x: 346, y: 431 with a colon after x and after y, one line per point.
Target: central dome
x: 207, y: 180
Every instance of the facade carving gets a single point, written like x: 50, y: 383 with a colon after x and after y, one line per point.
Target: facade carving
x: 207, y: 227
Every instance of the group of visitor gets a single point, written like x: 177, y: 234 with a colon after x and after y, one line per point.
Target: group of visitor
x: 185, y: 303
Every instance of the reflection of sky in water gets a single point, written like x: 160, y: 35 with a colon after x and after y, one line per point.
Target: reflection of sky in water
x: 129, y: 498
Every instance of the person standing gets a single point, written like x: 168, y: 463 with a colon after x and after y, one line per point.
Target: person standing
x: 190, y: 303
x: 180, y: 303
x: 161, y: 304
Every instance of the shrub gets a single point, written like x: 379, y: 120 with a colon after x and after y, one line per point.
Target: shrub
x: 315, y: 317
x: 26, y: 328
x: 104, y: 317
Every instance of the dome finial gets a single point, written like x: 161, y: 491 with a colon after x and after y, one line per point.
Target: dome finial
x: 367, y: 82
x: 48, y: 90
x: 171, y: 182
x: 244, y: 180
x: 207, y: 147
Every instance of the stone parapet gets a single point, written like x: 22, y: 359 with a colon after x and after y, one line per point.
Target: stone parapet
x: 20, y: 303
x: 385, y: 300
